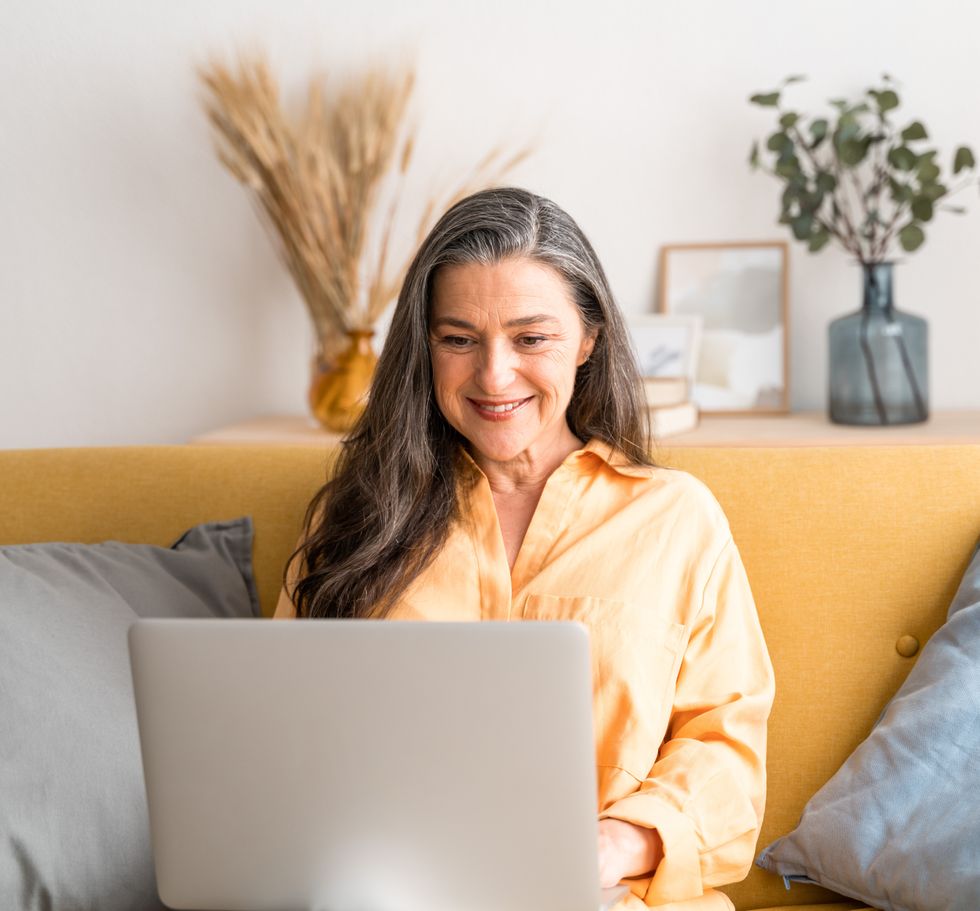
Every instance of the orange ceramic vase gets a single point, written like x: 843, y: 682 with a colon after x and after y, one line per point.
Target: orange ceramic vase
x: 338, y: 394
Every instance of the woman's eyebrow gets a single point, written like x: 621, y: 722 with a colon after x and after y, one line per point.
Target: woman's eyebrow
x: 530, y: 320
x: 452, y: 321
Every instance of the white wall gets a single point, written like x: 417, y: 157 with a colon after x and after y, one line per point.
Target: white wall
x: 141, y: 302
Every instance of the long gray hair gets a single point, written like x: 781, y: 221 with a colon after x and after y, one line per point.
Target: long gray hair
x: 386, y: 512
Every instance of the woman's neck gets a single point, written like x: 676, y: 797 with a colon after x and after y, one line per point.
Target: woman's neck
x: 528, y: 472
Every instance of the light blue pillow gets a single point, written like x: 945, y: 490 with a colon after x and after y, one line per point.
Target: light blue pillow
x: 898, y: 826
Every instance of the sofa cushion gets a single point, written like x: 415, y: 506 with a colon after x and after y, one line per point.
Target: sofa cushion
x: 73, y: 824
x: 898, y: 825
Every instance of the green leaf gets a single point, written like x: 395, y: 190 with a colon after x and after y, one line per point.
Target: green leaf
x: 788, y: 167
x: 788, y: 120
x: 861, y: 108
x: 802, y: 227
x: 818, y: 130
x: 795, y: 189
x: 887, y: 101
x: 933, y: 191
x: 810, y: 203
x: 928, y: 172
x: 818, y: 240
x: 902, y: 158
x: 922, y: 208
x: 914, y: 130
x: 790, y: 79
x: 826, y: 181
x: 911, y: 237
x: 770, y: 100
x: 847, y: 128
x: 874, y: 93
x: 900, y: 191
x: 754, y: 156
x: 959, y: 210
x: 779, y: 141
x: 852, y: 152
x: 963, y: 159
x: 838, y: 103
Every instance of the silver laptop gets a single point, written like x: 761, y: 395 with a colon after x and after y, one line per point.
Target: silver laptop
x: 346, y: 765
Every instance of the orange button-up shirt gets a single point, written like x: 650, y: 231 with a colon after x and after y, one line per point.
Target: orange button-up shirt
x: 682, y: 679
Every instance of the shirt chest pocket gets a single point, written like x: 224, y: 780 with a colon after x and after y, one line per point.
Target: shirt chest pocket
x: 635, y: 659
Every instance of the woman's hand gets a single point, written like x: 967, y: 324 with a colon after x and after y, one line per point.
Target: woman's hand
x: 626, y: 850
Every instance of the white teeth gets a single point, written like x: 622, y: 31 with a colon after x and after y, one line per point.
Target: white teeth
x: 499, y: 409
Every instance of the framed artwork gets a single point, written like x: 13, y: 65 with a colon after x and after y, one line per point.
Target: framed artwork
x: 666, y: 347
x: 740, y: 291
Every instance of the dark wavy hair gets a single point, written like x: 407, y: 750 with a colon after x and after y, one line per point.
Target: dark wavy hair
x: 388, y: 509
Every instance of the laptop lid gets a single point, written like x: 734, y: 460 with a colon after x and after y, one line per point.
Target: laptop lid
x: 347, y: 765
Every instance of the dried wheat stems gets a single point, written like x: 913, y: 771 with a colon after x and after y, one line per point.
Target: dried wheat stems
x: 317, y: 178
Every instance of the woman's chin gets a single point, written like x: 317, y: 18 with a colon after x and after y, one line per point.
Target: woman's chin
x: 496, y: 450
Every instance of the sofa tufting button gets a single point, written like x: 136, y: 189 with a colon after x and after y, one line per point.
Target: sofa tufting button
x: 907, y: 646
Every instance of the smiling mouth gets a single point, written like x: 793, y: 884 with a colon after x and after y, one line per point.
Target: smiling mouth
x: 496, y: 411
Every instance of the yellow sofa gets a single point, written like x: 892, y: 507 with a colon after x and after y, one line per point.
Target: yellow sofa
x: 849, y: 551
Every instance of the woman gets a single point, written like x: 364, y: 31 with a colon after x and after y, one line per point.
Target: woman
x: 501, y: 472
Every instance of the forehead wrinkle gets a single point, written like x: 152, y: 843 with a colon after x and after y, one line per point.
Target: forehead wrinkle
x: 506, y: 280
x: 475, y: 296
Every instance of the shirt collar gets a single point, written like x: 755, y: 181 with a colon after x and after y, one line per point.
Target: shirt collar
x: 614, y: 458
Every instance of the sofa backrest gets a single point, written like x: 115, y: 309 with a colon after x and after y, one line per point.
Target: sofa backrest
x: 847, y: 549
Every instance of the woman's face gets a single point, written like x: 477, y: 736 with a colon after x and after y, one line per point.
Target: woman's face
x: 506, y: 342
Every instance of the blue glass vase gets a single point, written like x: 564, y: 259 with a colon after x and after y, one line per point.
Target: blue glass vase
x: 879, y: 366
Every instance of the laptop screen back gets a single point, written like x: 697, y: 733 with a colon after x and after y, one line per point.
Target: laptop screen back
x: 368, y: 766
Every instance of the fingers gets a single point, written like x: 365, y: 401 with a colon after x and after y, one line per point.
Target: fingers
x: 610, y: 861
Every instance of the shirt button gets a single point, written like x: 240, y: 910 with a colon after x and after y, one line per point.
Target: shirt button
x: 907, y: 646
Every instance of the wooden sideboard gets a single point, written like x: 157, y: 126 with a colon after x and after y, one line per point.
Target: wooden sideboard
x: 802, y: 428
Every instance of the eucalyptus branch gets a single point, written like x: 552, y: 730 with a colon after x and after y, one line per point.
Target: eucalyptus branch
x: 888, y: 236
x: 843, y: 206
x: 856, y: 173
x: 829, y: 227
x: 880, y: 179
x: 862, y: 237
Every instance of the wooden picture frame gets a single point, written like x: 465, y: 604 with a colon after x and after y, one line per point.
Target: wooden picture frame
x: 741, y: 292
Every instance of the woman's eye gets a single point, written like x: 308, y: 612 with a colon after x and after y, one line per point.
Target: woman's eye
x: 456, y: 341
x: 531, y: 341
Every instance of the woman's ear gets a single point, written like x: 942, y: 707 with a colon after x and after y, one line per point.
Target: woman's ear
x: 588, y: 344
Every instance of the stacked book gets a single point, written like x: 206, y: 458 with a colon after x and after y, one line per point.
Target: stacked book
x: 670, y: 405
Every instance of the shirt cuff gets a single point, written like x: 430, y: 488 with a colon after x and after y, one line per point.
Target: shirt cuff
x: 679, y: 875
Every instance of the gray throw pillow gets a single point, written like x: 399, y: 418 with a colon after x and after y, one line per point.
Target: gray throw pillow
x: 898, y: 826
x: 74, y: 832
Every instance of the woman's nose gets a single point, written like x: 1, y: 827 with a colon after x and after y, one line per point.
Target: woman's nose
x: 497, y: 368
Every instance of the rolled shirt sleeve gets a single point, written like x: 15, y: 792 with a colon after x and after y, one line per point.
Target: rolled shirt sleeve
x: 705, y: 794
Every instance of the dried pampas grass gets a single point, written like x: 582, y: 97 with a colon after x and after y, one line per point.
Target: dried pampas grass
x: 317, y: 180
